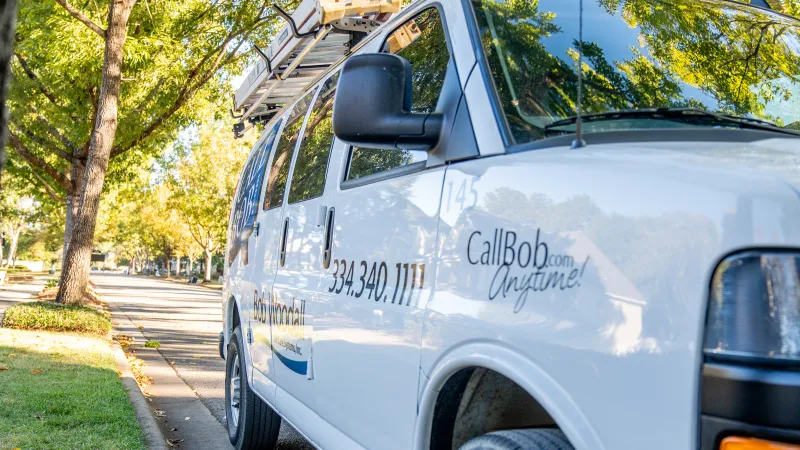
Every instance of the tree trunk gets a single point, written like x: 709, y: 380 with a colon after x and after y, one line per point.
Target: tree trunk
x: 8, y: 14
x: 1, y: 250
x: 188, y: 266
x: 132, y: 268
x: 207, y: 276
x: 75, y: 273
x: 73, y: 201
x: 12, y: 250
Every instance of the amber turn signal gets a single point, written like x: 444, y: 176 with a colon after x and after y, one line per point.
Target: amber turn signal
x: 740, y: 443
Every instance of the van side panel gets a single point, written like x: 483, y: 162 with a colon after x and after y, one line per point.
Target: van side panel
x: 595, y: 265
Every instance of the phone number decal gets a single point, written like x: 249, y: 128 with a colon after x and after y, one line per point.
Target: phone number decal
x: 409, y: 279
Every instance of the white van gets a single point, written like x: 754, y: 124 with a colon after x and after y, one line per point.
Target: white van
x: 456, y: 239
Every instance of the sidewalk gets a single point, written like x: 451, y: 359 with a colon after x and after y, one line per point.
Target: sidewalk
x: 19, y: 293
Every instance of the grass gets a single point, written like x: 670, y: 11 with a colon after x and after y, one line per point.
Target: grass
x: 56, y: 317
x: 152, y: 344
x: 62, y: 391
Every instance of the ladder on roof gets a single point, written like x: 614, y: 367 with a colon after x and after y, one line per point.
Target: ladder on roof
x: 316, y: 35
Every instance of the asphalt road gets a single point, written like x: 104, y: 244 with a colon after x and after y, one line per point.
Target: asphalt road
x: 186, y: 321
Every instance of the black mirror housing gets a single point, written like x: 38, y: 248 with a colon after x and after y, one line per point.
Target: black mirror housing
x: 373, y: 106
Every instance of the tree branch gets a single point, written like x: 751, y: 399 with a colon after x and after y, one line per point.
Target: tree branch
x: 49, y: 189
x: 32, y: 75
x: 20, y: 149
x: 194, y: 82
x: 53, y: 130
x: 43, y: 142
x: 83, y: 19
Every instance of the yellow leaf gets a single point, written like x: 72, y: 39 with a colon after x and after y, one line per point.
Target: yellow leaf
x: 36, y: 371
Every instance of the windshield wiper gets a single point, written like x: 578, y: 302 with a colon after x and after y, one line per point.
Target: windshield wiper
x: 687, y: 115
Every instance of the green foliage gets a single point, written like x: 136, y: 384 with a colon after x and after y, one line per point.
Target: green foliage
x: 51, y: 283
x: 178, y: 57
x: 56, y: 317
x: 152, y: 344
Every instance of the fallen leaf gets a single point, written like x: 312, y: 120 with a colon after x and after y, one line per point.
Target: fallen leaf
x: 36, y: 372
x: 12, y: 355
x: 197, y: 356
x: 37, y: 416
x: 159, y: 413
x: 3, y: 368
x: 187, y: 418
x: 174, y: 441
x: 174, y: 429
x: 141, y: 327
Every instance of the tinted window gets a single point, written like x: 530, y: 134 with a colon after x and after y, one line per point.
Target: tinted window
x: 422, y: 42
x: 308, y: 176
x: 245, y: 206
x: 369, y: 161
x: 279, y: 171
x: 708, y: 55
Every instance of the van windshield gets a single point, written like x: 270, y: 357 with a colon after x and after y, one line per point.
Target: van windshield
x: 660, y: 63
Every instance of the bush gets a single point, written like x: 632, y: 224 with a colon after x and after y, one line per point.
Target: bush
x: 56, y: 317
x: 51, y: 283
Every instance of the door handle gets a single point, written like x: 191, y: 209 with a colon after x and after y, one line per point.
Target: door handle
x: 283, y: 241
x: 328, y: 248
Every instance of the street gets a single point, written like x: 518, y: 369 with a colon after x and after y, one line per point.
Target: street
x: 186, y: 321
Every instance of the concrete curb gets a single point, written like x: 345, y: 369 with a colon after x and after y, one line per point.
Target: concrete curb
x: 153, y: 437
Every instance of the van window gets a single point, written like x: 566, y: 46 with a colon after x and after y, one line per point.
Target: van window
x: 369, y: 161
x: 308, y: 176
x: 279, y: 171
x: 245, y: 206
x: 422, y: 42
x: 666, y: 65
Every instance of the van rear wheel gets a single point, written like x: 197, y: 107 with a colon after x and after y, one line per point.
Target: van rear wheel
x: 533, y: 439
x: 252, y: 424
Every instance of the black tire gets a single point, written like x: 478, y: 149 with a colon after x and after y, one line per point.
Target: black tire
x: 533, y: 439
x: 255, y: 426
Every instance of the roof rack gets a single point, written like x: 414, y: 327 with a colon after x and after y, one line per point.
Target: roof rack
x: 316, y: 35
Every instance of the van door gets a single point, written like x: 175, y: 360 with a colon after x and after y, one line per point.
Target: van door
x: 369, y: 308
x: 299, y: 264
x: 264, y: 260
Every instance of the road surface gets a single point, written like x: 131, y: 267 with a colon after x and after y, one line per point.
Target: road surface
x: 186, y: 321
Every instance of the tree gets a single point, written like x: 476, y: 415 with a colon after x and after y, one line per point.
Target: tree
x: 67, y: 104
x: 203, y: 184
x: 16, y: 214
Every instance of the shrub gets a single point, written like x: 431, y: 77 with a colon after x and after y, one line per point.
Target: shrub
x: 152, y: 344
x: 56, y: 317
x: 51, y: 283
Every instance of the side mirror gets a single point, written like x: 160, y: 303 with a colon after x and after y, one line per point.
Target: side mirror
x: 373, y: 106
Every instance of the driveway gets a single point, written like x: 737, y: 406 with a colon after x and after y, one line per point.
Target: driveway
x: 186, y: 321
